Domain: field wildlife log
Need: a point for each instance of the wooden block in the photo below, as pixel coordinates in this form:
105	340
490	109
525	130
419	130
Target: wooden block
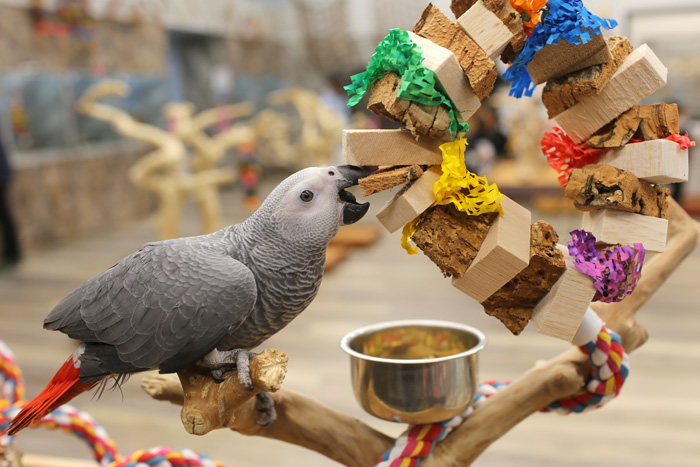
389	177
508	16
561	311
602	186
450	75
645	122
657	161
475	63
565	91
562	58
389	147
503	254
420	119
450	238
513	303
626	228
640	74
410	202
486	29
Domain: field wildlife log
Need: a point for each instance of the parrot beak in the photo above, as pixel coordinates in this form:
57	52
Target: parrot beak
350	175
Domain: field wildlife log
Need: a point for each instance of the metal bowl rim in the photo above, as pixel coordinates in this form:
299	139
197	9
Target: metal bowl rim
433	323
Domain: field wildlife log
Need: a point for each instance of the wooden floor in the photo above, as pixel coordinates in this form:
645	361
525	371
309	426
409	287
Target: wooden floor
655	422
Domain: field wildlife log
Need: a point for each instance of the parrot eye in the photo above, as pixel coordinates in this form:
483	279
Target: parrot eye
306	196
331	173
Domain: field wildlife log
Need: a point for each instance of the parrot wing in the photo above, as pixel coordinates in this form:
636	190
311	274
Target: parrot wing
165	306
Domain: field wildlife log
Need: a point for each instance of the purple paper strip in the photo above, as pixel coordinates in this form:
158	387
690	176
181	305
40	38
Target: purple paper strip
614	270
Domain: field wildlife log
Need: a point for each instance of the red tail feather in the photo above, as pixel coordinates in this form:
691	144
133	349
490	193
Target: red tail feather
64	386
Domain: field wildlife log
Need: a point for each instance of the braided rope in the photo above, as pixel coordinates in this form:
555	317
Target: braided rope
420	440
611	367
70	420
11	381
81	424
165	457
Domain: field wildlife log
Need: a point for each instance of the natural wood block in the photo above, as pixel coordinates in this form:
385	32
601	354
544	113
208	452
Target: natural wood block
626	228
486	29
389	147
452	238
640	74
560	312
503	254
645	122
508	16
602	186
389	177
450	75
475	63
657	161
563	92
554	60
513	303
419	119
410	202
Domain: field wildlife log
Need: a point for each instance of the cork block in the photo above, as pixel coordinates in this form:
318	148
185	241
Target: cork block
560	312
641	74
450	238
563	92
657	161
513	303
503	254
645	122
486	29
450	75
410	202
420	119
562	58
389	147
626	228
596	186
388	177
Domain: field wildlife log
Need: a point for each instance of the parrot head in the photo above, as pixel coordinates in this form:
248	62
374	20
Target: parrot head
313	203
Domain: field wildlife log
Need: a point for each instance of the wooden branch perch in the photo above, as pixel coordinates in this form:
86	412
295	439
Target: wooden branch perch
308	423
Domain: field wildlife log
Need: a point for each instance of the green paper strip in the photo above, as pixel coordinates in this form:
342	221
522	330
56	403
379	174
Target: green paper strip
397	53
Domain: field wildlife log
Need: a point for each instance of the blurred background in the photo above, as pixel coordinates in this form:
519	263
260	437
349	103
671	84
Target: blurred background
242	93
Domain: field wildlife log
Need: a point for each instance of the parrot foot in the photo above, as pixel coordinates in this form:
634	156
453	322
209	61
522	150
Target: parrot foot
266	406
221	362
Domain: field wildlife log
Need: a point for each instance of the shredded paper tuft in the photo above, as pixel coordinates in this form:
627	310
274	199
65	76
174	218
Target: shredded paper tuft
615	270
563	154
561	19
398	54
467	191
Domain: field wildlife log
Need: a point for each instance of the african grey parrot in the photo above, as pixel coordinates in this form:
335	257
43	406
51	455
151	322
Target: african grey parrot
205	300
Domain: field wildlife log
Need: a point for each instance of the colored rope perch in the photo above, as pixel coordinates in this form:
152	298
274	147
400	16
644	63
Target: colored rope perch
615	270
81	424
420	440
11	380
611	368
397	53
562	19
467	191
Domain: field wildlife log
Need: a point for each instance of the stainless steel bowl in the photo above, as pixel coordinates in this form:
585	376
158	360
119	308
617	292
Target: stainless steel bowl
414	371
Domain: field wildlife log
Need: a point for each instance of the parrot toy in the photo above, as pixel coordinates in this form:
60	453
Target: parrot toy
205	300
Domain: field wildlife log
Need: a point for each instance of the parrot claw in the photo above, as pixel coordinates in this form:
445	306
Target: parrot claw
266	406
221	362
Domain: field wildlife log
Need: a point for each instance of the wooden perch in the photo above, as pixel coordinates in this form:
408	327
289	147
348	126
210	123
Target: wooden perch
305	422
